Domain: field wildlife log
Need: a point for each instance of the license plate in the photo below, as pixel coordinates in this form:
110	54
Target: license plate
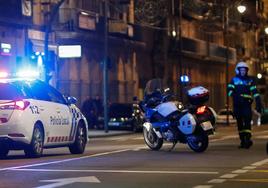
206	125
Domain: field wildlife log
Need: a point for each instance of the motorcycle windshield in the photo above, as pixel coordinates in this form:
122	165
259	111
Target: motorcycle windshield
154	85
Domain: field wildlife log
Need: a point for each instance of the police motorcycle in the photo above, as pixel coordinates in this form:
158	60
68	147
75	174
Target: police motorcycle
168	120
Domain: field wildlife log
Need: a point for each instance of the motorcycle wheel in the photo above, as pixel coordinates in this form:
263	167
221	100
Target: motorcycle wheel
198	143
151	139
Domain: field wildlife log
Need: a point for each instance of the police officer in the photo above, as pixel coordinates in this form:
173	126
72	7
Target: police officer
243	90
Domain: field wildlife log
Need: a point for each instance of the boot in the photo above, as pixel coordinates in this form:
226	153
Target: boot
242	140
248	141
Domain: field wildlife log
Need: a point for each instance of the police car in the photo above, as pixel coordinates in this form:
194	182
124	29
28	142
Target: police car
34	116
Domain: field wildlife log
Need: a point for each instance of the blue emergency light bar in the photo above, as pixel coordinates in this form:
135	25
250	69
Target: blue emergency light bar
22	74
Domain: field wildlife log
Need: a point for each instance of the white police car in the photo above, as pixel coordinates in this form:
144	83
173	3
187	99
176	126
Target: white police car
34	115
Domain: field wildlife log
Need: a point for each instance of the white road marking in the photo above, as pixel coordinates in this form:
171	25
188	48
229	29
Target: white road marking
235	173
138	138
228	176
65	160
66	181
249	167
203	186
140	148
217	181
260	163
117	171
239	171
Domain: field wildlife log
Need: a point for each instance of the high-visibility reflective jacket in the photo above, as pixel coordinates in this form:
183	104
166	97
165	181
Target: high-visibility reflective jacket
243	90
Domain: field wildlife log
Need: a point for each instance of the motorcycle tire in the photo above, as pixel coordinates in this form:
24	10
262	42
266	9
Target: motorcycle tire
151	139
198	143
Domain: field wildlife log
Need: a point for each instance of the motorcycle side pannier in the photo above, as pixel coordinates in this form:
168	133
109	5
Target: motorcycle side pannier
198	95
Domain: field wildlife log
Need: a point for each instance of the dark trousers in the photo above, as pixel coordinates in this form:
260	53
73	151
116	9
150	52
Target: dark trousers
244	127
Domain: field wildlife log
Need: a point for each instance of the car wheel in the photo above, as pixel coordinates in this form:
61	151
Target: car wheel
79	145
3	151
35	149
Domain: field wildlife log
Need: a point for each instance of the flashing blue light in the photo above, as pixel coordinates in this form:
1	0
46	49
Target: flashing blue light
185	79
32	57
39	61
37	53
28	73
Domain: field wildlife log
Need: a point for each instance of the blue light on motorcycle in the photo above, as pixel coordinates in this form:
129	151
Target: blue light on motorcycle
184	79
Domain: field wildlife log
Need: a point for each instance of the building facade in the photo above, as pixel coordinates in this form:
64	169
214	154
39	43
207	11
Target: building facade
137	51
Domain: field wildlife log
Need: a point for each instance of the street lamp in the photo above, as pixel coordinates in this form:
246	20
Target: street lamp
259	76
266	30
174	33
241	8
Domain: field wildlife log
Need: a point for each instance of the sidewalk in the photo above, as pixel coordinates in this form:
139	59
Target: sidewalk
92	133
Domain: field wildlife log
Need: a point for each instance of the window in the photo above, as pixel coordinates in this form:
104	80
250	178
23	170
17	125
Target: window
56	96
45	92
10	91
39	91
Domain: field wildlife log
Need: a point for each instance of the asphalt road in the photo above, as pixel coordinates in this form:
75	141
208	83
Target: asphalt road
125	161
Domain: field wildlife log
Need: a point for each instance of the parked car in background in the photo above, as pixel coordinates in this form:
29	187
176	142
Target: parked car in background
125	116
222	117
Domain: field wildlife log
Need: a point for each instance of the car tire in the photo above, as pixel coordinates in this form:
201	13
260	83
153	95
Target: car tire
3	151
79	145
35	149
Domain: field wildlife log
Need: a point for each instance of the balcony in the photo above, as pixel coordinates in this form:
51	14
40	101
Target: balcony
77	23
206	51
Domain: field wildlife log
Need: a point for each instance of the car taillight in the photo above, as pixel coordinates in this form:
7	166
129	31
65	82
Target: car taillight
18	105
201	110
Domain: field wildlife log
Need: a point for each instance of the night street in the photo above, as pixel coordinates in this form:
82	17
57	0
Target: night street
125	161
115	87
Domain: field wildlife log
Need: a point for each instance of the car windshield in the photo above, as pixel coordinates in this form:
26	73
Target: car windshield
10	91
120	110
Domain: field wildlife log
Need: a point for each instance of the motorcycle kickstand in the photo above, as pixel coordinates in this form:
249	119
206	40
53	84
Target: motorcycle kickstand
174	144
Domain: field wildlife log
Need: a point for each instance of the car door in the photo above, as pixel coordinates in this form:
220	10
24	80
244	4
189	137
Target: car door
61	121
53	113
